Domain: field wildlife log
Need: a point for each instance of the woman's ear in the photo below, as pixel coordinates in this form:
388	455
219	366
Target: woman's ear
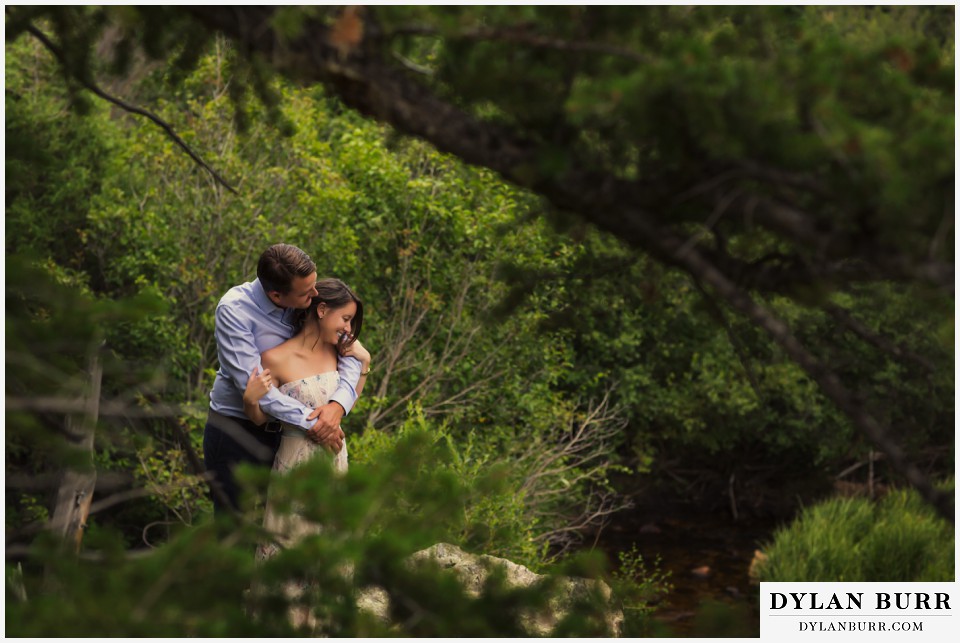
321	310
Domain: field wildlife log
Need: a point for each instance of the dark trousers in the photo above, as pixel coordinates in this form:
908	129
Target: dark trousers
227	442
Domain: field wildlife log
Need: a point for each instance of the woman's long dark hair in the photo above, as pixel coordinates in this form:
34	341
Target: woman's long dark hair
335	294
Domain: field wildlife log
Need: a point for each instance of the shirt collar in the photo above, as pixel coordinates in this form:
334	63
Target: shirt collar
263	302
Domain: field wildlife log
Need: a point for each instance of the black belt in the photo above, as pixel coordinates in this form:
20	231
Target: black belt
273	426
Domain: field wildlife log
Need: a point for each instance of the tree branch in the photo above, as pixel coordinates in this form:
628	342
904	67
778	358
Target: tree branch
365	80
860	330
827	381
520	35
91	86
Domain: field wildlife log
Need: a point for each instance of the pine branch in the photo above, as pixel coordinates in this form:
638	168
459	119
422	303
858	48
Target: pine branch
519	35
367	79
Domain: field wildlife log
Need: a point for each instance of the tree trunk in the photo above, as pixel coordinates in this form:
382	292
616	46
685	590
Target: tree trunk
77	484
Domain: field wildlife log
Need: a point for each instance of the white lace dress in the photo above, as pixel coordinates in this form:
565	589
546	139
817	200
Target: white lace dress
296	448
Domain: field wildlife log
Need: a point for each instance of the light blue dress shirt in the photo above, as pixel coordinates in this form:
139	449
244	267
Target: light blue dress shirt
247	324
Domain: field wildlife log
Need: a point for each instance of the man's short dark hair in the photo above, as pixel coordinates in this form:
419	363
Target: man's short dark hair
280	264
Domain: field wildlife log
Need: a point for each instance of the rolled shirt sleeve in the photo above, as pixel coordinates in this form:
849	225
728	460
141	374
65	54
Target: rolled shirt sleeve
239	356
346	394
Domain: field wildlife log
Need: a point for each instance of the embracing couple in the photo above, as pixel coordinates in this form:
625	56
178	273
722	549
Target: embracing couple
290	368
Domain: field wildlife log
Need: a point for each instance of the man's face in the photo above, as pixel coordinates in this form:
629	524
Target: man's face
302	291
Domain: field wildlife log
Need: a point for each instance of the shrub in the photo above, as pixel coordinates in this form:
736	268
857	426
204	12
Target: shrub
640	585
494	519
896	539
533	497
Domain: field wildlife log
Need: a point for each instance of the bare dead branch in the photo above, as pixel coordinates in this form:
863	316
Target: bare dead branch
108	480
144	492
409	343
151	525
566	458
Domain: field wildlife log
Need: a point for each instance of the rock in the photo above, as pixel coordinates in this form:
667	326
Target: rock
759	558
701	572
374	600
473	571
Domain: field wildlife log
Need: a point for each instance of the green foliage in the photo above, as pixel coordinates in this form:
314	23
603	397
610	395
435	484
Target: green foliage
639	586
501	329
495	517
695	380
166	476
896	539
864	91
204	582
53	326
54	160
716	619
433	234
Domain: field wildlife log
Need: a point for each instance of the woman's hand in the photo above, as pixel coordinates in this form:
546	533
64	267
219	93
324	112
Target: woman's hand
257	386
357	350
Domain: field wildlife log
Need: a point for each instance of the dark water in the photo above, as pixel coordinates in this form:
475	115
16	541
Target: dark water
708	557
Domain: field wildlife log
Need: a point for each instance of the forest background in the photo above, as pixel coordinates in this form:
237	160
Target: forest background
548	363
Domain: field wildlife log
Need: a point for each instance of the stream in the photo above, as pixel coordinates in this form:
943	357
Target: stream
708	557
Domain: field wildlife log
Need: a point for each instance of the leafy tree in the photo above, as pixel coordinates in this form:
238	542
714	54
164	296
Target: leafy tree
792	164
423	247
405	496
54	160
707	392
763	152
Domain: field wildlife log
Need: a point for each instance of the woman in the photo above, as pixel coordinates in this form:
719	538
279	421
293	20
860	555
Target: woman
305	368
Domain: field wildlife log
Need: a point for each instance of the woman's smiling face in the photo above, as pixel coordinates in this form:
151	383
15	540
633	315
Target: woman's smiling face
335	322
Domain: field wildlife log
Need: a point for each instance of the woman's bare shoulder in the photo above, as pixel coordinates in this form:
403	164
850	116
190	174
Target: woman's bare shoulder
276	355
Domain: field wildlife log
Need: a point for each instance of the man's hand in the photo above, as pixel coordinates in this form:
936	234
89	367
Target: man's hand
326	430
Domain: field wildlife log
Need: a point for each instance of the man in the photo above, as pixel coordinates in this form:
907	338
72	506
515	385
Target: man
250	319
